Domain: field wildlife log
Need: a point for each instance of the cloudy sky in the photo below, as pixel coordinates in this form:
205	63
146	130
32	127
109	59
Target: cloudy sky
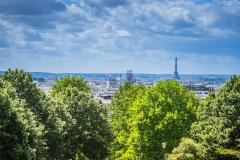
116	35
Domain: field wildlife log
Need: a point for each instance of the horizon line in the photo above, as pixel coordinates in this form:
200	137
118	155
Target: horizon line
222	74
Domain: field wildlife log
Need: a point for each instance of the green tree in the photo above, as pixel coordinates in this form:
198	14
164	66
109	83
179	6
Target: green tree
159	116
188	149
26	89
69	82
218	125
83	123
37	101
21	135
162	116
119	116
67	125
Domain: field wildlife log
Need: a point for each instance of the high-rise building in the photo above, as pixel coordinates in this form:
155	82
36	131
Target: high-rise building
129	76
176	75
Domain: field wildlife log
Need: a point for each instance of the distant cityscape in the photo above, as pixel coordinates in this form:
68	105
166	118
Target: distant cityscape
104	85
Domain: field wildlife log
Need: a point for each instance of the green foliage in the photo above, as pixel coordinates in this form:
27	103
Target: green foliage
146	123
26	89
157	116
188	149
67	125
120	115
229	153
69	82
121	102
218	125
36	101
83	125
21	135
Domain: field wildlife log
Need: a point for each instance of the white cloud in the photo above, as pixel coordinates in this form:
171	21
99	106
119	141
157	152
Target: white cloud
122	33
136	31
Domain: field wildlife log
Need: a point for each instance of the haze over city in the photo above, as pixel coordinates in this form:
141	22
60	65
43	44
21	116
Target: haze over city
101	36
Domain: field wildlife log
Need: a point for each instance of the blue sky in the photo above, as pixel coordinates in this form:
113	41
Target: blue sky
116	35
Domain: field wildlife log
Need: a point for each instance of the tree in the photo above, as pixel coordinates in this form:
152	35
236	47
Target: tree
119	116
69	82
36	101
84	127
67	125
159	117
218	124
26	89
188	149
21	135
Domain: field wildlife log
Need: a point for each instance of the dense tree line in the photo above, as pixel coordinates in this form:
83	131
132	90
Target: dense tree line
66	124
164	121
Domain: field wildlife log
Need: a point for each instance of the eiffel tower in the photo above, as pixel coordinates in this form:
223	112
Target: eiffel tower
176	76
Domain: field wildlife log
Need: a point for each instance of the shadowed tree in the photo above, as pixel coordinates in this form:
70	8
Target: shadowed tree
21	135
26	89
83	122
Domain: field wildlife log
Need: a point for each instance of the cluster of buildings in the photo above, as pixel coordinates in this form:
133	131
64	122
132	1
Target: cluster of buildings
104	89
44	83
200	89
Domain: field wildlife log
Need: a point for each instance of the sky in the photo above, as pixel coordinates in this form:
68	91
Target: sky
112	36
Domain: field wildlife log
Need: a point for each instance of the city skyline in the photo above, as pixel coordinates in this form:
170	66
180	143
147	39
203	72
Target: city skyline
74	36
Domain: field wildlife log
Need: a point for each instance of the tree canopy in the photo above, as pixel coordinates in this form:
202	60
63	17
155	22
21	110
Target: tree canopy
85	130
119	116
218	124
85	127
68	124
188	149
26	89
21	135
69	82
157	119
163	121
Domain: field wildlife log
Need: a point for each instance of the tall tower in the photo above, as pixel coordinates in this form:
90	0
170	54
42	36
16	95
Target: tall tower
176	76
129	76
